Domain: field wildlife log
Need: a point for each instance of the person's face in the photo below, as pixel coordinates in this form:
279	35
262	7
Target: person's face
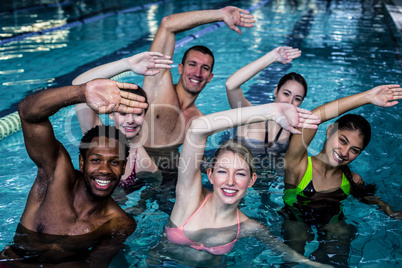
196	72
231	177
129	124
291	92
103	167
343	146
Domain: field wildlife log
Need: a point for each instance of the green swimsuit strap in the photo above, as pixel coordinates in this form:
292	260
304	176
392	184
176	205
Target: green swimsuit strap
290	195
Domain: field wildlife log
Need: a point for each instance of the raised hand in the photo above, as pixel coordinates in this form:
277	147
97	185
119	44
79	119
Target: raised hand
385	95
234	17
291	117
149	63
105	96
286	54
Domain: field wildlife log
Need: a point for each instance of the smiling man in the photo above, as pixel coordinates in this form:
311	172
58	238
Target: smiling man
65	202
172	106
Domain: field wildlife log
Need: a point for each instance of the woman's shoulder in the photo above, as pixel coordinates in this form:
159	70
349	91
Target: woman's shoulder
357	179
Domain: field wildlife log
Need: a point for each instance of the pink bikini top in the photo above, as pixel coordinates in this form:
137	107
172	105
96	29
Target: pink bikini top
130	179
177	236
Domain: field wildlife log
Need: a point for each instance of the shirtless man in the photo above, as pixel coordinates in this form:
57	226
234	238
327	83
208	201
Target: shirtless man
172	106
64	202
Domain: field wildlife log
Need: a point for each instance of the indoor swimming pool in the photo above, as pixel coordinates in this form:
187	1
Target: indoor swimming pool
347	47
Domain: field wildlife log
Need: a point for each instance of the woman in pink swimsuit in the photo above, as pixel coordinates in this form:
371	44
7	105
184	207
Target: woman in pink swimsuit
206	224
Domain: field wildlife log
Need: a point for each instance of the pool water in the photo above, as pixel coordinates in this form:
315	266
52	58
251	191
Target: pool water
347	47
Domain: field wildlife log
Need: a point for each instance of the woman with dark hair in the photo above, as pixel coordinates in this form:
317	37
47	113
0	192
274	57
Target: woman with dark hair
316	185
292	88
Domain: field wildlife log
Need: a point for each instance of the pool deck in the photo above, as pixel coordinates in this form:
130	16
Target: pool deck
394	8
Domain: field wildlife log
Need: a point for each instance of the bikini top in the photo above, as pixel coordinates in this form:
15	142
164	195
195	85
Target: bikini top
177	236
276	137
130	180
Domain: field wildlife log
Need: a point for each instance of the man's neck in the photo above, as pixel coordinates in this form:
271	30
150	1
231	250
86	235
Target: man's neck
186	99
84	205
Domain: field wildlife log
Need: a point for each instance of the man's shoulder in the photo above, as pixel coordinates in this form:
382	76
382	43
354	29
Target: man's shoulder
121	224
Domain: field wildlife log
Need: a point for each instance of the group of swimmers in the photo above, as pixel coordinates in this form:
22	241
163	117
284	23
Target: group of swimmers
68	207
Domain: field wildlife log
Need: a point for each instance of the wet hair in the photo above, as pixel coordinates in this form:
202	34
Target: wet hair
354	122
238	148
140	92
293	77
203	50
110	132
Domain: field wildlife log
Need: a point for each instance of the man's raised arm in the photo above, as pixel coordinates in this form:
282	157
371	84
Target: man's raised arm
102	95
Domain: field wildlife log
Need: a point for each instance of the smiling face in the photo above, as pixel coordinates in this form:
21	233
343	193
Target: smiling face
196	72
102	168
231	177
129	124
342	146
290	92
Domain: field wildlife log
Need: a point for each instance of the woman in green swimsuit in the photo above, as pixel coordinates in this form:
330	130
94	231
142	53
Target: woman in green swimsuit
315	186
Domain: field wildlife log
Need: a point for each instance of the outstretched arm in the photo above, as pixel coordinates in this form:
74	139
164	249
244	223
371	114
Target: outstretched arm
382	206
235	95
383	96
189	177
145	63
104	96
164	41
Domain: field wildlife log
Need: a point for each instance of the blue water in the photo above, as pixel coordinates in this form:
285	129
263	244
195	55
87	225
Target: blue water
347	47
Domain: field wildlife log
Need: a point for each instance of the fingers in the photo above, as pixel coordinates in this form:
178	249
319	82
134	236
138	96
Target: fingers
133	103
158	54
307	119
127	110
236	29
126	86
302	111
243	11
246	20
391	103
294	130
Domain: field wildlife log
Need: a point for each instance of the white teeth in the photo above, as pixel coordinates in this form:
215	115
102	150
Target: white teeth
102	182
229	191
194	81
338	157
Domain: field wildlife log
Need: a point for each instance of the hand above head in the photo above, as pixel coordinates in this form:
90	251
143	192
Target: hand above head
286	54
104	96
149	63
385	95
291	117
234	17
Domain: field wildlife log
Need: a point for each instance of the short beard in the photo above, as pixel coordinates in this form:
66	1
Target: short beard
91	194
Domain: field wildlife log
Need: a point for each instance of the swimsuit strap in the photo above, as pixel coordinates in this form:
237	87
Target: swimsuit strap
133	175
266	135
277	135
266	132
238	224
200	207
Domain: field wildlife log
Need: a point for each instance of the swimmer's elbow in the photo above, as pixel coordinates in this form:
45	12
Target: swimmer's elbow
357	179
167	24
199	128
